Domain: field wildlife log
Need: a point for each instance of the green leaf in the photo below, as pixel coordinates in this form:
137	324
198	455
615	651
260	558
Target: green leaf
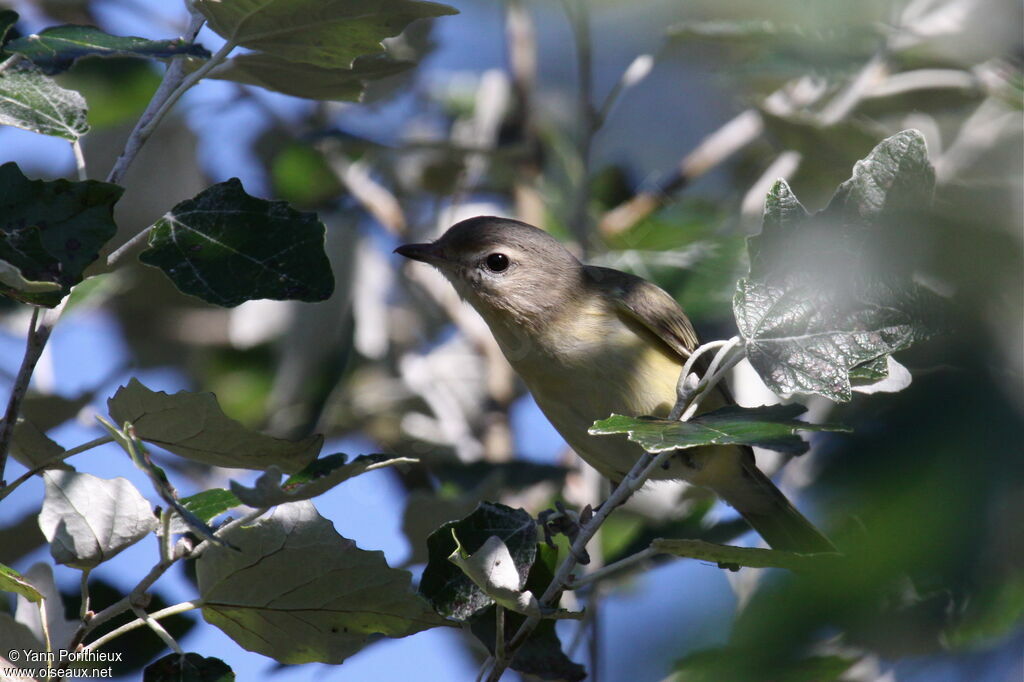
306	80
828	293
31	100
227	247
12	581
894	179
714	665
327	33
319	477
50	231
445	586
298	592
770	427
56	48
192	425
88	520
11	278
32	447
210	504
751	557
541	655
188	668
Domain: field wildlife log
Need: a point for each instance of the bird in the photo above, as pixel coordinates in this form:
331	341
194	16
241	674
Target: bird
591	341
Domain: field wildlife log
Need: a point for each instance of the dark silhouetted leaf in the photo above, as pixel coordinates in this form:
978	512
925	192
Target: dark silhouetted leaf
192	425
55	49
227	247
445	586
188	668
316	479
770	427
50	231
299	592
306	80
327	33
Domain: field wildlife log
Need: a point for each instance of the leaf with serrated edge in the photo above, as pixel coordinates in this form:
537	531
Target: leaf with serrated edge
188	668
227	247
771	426
306	80
51	231
88	520
269	491
56	48
31	100
299	592
327	33
12	581
192	425
448	589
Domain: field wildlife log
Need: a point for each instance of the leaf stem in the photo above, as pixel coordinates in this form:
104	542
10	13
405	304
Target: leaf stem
83	611
174	78
139	622
4	492
38	333
76	148
158	629
611	569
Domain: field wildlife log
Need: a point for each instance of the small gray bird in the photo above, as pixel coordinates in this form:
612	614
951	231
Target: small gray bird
591	341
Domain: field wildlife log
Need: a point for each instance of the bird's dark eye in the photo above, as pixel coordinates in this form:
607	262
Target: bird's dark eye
497	262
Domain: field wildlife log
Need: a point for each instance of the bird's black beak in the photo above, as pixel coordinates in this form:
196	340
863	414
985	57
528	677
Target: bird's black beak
426	253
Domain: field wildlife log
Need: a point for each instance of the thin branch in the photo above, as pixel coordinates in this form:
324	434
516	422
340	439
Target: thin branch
712	151
613	569
750	557
139	622
158	629
38	333
122	250
76	148
174	78
4	492
11	61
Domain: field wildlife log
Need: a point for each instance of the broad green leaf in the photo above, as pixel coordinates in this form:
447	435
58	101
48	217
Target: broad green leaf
188	668
50	231
32	447
826	294
715	665
327	33
298	592
306	80
894	179
12	581
192	425
445	586
88	520
55	49
541	655
210	504
316	479
31	100
770	427
227	247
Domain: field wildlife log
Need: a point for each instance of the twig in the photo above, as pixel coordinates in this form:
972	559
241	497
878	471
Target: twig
612	569
76	148
4	492
83	610
713	150
120	251
11	61
139	622
160	631
38	333
174	77
750	557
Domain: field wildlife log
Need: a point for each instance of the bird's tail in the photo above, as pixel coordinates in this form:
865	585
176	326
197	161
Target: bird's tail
765	508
